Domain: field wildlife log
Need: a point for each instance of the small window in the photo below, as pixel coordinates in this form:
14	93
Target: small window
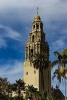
26	73
34	71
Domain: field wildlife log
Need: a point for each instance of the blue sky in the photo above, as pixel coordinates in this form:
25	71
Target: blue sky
16	17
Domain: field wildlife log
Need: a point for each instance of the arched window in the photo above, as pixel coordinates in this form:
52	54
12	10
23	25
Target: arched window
33	38
31	52
33	26
37	26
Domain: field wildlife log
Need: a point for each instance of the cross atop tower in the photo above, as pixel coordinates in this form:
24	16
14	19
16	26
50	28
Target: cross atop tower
37	10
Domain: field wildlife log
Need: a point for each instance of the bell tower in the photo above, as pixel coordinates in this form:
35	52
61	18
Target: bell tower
36	44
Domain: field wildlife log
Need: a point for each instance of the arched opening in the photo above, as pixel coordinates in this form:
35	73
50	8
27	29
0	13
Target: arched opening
37	26
33	38
33	26
31	52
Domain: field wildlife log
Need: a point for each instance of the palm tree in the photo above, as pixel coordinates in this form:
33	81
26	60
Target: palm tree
62	69
61	61
32	93
12	88
61	58
58	75
20	86
41	62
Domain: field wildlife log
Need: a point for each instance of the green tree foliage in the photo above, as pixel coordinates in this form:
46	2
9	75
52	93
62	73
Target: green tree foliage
32	93
4	97
40	61
7	88
3	85
20	86
17	98
61	62
61	58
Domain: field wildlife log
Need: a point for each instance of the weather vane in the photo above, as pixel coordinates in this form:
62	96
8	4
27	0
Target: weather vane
37	10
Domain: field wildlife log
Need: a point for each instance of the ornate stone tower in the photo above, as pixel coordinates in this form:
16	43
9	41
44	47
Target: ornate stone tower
37	44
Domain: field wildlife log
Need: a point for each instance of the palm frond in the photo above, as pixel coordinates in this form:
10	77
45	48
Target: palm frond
64	52
53	77
57	54
54	63
40	61
55	73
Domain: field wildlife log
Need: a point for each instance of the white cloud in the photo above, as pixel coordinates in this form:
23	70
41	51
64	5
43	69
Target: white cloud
12	70
8	33
16	3
59	44
3	43
54	9
63	34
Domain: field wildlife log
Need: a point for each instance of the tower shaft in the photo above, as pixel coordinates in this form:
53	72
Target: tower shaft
37	44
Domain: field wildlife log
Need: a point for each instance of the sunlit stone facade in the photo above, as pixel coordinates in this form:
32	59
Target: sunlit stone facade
37	44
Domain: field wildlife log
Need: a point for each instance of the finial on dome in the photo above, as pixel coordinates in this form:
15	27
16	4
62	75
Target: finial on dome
37	10
37	17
